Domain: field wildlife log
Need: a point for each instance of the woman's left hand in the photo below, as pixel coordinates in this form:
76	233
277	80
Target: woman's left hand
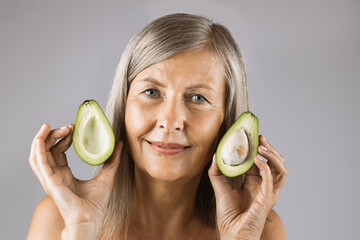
241	213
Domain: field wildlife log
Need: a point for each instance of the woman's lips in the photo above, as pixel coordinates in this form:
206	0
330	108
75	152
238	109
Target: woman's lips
167	148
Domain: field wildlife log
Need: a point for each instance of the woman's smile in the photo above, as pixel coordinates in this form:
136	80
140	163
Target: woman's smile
167	148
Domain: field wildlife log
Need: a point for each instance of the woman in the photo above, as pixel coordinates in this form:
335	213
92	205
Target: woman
179	85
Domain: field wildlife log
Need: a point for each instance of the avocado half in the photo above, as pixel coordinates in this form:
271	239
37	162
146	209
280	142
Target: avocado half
93	137
238	147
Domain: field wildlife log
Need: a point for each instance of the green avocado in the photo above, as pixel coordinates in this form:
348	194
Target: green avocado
238	147
93	137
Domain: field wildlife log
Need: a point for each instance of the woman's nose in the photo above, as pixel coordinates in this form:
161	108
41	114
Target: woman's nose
171	117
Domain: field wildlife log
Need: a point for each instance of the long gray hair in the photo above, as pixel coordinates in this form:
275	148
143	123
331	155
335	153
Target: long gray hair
162	38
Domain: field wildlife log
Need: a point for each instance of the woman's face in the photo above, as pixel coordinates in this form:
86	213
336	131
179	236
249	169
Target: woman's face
173	114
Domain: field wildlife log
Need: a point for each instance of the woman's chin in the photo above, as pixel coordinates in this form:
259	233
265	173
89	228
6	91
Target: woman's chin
165	171
166	174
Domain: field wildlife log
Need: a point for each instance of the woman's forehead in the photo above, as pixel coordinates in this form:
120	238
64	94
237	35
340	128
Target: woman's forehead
193	67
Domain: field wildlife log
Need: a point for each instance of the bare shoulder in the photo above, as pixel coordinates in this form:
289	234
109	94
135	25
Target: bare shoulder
274	228
47	222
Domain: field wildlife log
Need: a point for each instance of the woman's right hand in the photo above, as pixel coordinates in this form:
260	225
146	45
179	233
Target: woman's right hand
82	204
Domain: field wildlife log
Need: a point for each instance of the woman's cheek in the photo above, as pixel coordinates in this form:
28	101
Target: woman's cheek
138	118
205	127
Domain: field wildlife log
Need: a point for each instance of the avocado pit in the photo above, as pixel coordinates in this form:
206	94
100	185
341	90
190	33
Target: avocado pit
236	148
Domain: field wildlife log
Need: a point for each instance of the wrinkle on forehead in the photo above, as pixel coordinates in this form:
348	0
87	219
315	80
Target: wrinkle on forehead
179	64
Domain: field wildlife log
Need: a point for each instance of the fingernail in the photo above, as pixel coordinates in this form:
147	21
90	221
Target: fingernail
63	127
264	139
42	126
263	147
261	158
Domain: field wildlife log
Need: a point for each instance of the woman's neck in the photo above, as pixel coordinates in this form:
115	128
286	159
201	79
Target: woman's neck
164	208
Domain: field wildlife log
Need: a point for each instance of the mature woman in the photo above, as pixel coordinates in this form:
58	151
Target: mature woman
179	86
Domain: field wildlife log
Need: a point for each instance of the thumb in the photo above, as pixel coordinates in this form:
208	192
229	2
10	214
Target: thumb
108	171
217	179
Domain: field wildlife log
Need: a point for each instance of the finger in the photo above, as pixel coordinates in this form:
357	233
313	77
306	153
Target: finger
267	180
41	159
61	147
54	135
42	133
218	180
39	156
279	183
61	194
263	201
265	143
32	160
279	169
108	171
273	160
34	167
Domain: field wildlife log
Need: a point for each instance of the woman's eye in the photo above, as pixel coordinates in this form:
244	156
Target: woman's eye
151	92
198	98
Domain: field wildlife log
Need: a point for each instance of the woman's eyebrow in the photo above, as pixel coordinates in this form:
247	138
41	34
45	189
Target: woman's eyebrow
192	86
152	80
201	85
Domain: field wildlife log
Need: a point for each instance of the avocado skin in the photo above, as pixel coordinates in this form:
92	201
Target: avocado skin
76	135
250	123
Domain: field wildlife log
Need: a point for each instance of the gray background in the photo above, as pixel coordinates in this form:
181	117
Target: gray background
302	60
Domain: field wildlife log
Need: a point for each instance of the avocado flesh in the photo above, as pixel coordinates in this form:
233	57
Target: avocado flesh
249	124
93	137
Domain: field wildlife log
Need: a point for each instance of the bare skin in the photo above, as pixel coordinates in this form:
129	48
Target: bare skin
181	93
179	100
